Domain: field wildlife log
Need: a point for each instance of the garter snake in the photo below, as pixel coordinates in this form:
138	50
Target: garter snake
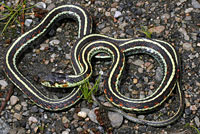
66	11
81	53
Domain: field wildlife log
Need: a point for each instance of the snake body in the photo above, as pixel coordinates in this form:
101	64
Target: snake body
87	46
66	11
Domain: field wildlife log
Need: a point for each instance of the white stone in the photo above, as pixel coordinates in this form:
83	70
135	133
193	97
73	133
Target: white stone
32	120
3	83
117	14
13	100
82	114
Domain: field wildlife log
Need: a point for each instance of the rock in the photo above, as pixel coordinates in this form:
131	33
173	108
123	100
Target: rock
115	118
183	31
138	85
44	46
17	116
82	114
198	44
141	117
28	22
187	111
102	25
188	10
123	25
138	12
165	16
86	110
32	120
130	31
193	108
79	129
105	30
195	4
24	104
4	128
196	119
138	62
188	18
68	56
18	107
187	46
21	131
140	70
54	42
13	100
159	74
48	1
45	116
65	120
135	81
34	109
92	115
107	14
180	2
3	83
41	5
158	29
117	14
67	131
142	96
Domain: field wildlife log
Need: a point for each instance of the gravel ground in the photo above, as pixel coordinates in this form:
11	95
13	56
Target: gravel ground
174	21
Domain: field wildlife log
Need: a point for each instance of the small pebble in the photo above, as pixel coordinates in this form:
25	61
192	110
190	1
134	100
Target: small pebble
54	42
135	81
67	131
140	70
188	10
17	116
13	100
68	56
24	104
65	120
117	14
159	74
82	114
184	32
138	62
187	46
34	109
195	4
193	108
158	29
18	107
105	30
92	115
28	22
141	117
3	83
44	46
115	118
32	120
41	5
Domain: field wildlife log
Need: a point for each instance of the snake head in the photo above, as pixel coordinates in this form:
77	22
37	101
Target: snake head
53	79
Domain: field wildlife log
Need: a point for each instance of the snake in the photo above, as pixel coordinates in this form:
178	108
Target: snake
84	20
87	46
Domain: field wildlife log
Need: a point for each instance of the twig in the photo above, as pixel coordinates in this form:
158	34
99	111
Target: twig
22	16
8	95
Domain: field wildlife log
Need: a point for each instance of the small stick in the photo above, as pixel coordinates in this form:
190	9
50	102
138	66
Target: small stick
8	95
